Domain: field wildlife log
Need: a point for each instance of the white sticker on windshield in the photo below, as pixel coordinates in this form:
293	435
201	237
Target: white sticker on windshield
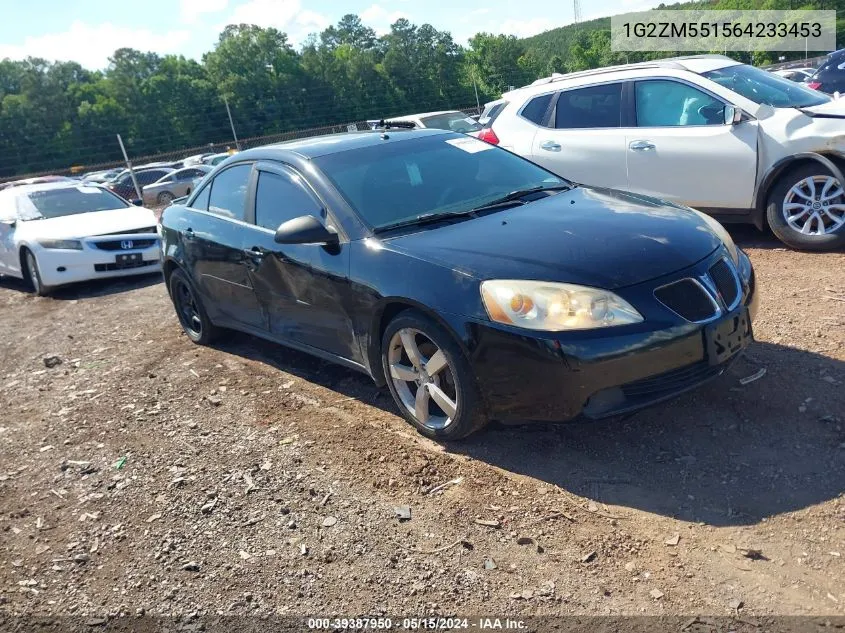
470	120
414	174
469	144
85	189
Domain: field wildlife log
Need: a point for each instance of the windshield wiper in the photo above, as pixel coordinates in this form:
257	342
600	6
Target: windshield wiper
517	195
426	218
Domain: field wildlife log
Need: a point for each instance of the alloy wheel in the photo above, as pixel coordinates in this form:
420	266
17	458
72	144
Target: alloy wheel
815	206
423	378
165	198
186	308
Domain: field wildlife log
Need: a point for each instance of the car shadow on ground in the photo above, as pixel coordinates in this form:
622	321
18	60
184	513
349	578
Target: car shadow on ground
89	289
749	236
723	454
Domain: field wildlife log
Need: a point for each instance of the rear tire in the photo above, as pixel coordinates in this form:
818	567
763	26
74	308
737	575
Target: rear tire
801	201
433	385
189	309
32	274
165	197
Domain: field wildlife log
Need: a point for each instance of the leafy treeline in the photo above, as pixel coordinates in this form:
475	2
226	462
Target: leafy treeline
54	115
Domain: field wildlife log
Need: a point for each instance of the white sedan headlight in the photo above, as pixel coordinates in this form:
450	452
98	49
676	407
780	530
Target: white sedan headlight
722	234
541	305
69	245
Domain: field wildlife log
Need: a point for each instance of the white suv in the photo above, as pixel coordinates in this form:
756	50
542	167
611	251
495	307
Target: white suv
729	139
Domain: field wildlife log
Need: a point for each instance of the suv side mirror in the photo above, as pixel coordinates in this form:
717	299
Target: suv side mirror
733	115
306	229
138	203
11	223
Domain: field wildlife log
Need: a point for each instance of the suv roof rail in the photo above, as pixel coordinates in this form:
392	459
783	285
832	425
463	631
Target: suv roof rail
669	62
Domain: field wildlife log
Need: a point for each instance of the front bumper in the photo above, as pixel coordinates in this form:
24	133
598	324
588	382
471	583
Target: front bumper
63	266
599	373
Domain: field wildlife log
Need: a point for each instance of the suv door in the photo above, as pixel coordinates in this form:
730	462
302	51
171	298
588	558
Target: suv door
580	135
213	237
683	151
299	285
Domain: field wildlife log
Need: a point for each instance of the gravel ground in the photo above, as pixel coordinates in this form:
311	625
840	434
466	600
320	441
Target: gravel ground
144	474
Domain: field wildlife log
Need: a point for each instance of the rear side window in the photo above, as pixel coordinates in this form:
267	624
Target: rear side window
592	107
228	192
491	111
280	198
535	110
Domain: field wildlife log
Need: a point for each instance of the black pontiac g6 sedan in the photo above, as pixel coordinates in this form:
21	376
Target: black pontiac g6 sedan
476	284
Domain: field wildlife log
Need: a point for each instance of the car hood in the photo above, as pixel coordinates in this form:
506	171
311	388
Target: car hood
88	224
595	237
834	107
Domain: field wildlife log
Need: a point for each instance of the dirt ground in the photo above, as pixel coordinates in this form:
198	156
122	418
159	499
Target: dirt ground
145	474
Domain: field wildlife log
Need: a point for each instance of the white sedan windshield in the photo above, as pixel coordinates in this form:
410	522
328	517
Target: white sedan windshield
54	203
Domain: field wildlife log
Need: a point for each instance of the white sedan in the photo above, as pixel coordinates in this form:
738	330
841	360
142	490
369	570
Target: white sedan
60	233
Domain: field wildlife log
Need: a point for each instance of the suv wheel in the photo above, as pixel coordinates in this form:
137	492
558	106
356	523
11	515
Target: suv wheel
806	209
430	379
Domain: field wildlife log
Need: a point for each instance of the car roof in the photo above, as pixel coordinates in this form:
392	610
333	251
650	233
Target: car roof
315	146
693	63
48	186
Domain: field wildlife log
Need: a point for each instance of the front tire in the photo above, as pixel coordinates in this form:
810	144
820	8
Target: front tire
806	209
33	274
430	379
189	309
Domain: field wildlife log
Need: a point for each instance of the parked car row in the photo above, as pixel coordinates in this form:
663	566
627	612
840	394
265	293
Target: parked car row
478	283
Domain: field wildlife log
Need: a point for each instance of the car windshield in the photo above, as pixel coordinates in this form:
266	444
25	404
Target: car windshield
54	203
420	176
763	87
452	121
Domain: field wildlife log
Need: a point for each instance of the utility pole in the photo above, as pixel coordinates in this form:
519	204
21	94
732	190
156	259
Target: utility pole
475	86
129	167
232	123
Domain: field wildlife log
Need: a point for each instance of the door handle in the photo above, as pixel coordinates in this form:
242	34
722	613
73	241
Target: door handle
641	146
550	146
256	252
189	233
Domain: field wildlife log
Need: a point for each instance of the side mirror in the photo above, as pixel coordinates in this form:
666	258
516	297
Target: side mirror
306	229
138	203
733	115
10	223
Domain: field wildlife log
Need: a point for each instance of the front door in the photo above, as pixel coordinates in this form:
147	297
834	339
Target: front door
683	151
583	139
301	286
213	237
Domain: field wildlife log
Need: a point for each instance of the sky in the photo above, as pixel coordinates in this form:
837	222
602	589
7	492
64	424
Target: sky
88	31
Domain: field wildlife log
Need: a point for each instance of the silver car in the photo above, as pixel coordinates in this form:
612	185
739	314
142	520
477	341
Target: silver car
174	185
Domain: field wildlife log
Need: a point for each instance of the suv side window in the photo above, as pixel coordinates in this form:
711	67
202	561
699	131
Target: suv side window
590	107
535	110
666	103
201	201
228	192
279	198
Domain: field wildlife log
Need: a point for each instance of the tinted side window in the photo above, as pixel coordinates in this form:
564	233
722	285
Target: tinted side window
201	201
148	177
282	198
662	103
228	192
596	106
536	108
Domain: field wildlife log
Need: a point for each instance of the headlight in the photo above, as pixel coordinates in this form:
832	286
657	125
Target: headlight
70	245
541	305
723	235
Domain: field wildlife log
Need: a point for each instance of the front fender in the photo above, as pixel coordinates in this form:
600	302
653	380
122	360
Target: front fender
761	193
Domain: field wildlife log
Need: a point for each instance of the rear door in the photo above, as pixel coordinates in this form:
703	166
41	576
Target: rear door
580	135
300	285
213	240
683	151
